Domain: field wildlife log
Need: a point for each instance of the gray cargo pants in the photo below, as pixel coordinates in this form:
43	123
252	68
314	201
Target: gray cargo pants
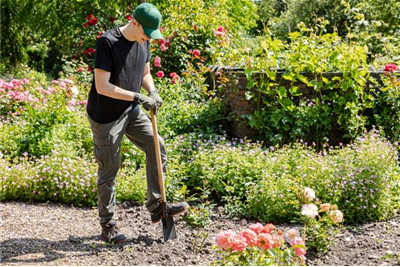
136	125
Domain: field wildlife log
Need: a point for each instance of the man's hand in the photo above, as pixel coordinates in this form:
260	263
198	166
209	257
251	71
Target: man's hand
147	102
154	95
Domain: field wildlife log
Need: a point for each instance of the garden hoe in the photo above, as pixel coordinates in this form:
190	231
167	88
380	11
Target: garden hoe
167	222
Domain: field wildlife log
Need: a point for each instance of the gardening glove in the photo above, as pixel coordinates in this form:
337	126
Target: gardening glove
155	95
147	102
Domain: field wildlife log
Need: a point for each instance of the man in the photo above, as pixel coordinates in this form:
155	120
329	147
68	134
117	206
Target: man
121	68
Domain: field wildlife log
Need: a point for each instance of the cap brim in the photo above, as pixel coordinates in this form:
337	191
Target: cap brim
152	33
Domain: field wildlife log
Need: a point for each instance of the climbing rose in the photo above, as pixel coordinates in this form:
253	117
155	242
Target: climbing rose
163	47
176	79
220	29
157	62
160	74
390	67
196	53
172	74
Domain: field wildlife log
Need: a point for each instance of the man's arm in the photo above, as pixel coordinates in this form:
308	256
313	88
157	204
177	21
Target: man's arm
148	83
104	87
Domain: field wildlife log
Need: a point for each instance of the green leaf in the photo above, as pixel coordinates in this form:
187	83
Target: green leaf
295	91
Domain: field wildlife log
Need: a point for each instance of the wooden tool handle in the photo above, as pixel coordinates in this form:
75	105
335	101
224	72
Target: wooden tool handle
158	156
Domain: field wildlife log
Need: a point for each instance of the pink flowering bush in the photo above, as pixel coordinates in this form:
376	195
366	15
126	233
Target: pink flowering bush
260	245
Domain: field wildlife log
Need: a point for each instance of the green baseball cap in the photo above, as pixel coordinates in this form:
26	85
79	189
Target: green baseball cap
150	19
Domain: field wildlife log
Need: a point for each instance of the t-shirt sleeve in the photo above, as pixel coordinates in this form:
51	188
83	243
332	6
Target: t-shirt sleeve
148	52
102	58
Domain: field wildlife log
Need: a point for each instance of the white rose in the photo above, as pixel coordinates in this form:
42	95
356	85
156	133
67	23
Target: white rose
309	194
336	216
291	234
309	210
74	90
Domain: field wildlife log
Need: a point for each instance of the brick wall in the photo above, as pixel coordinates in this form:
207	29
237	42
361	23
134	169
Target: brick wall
238	106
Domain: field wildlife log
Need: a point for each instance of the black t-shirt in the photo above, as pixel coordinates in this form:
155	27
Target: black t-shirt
125	60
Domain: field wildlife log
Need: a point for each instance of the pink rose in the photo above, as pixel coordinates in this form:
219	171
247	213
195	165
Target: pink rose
277	241
291	234
250	236
176	79
163	47
237	241
268	228
390	67
172	74
265	241
256	227
160	74
219	34
220	29
196	53
223	239
300	251
157	62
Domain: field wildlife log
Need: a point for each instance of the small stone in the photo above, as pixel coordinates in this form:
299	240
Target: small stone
394	223
389	252
373	257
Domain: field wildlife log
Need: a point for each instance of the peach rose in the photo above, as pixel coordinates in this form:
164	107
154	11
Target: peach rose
223	239
250	236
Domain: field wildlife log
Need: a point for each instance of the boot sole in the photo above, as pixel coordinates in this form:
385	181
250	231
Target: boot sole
116	243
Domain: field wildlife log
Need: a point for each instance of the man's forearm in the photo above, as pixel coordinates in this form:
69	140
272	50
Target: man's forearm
115	92
148	82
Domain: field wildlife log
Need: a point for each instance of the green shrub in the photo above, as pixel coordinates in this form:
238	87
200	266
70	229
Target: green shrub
131	185
364	179
215	169
64	177
57	177
359	178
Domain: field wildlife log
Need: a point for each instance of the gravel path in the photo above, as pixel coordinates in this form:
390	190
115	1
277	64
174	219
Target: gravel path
54	234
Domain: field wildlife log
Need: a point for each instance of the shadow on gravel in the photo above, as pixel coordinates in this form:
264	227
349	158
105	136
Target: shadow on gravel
32	250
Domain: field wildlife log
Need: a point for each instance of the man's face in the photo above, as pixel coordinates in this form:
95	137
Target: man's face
138	32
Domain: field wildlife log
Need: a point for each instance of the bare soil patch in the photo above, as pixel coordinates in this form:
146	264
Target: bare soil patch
55	234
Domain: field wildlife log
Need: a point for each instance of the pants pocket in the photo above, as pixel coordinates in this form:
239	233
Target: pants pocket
103	151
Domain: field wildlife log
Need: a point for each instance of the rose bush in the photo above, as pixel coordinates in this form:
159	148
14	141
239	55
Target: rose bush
260	245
